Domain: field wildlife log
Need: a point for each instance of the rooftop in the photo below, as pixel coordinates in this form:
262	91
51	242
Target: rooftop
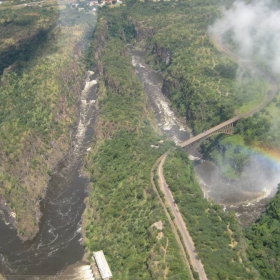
102	265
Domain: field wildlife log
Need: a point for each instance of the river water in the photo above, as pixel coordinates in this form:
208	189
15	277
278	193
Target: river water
248	195
58	243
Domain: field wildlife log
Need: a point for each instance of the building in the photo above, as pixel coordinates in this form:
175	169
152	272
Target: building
102	265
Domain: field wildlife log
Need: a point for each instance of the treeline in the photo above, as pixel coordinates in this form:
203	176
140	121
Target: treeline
264	241
122	209
200	81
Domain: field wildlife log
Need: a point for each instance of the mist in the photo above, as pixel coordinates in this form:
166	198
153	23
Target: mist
254	31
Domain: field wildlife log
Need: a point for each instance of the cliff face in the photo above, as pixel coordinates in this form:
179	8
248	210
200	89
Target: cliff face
99	43
163	57
24	182
25	172
119	164
144	34
163	54
142	31
38	112
186	59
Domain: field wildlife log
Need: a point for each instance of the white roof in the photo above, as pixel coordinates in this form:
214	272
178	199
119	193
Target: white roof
102	264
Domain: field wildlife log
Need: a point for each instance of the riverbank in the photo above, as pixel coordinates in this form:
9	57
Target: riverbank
39	118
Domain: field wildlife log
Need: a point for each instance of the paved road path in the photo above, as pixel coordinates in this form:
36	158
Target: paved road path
188	242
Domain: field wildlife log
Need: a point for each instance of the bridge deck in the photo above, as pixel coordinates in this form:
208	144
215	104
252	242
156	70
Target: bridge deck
208	132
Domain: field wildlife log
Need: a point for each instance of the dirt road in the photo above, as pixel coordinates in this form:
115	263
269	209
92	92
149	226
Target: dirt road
188	242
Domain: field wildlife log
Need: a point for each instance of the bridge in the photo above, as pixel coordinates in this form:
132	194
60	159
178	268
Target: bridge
223	128
227	126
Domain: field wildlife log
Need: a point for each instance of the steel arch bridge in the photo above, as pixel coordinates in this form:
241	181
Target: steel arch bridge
223	128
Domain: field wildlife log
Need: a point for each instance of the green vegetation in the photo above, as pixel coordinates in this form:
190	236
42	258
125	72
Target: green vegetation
201	85
200	82
264	241
123	208
251	92
198	79
217	236
38	93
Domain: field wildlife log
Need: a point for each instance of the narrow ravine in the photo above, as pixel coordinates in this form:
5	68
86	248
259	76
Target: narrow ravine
58	243
247	196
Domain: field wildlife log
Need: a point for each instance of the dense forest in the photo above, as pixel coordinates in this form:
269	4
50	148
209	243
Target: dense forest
41	52
200	82
123	211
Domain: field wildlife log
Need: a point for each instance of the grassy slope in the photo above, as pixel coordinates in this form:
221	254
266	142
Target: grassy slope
123	207
37	110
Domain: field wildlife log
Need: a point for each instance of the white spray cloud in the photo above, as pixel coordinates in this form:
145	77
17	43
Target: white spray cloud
254	28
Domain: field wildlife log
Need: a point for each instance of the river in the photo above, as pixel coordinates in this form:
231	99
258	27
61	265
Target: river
246	196
58	243
57	246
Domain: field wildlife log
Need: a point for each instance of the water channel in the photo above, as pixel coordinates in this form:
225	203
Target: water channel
247	196
58	243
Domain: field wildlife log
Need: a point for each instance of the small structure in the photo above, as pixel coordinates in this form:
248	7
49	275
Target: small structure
103	266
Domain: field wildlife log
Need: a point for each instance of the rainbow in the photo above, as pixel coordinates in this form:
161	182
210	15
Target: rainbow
270	153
